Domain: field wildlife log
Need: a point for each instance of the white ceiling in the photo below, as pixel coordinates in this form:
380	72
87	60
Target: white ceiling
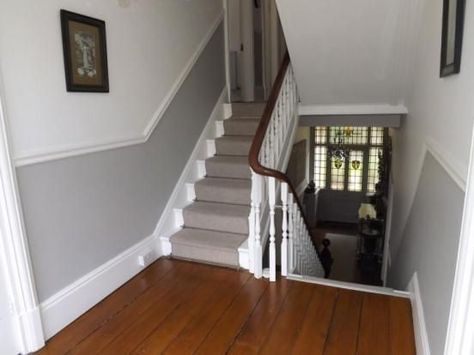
347	52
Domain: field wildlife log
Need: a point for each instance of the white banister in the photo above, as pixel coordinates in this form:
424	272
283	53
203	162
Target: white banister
268	158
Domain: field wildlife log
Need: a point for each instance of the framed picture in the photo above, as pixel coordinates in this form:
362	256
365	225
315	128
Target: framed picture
451	43
85	53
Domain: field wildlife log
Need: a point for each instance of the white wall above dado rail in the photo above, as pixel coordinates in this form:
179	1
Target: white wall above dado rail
151	45
348	53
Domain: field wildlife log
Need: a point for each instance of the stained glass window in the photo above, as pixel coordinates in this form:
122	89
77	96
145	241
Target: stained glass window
358	171
320	164
373	169
348	135
356	168
338	169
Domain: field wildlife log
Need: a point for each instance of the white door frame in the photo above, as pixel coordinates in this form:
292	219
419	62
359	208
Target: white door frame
246	56
459	338
225	5
24	302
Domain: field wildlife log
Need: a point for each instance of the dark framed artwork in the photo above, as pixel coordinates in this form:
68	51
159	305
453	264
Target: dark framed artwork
452	33
85	53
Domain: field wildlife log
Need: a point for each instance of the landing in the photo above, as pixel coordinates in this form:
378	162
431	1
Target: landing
179	307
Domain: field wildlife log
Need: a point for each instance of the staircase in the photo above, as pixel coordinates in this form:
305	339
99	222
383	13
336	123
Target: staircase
216	223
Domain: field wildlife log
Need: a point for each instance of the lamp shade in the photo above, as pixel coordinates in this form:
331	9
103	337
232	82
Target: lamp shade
367	209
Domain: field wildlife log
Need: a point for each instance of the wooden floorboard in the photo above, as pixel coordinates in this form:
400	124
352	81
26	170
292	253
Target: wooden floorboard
374	325
258	326
221	337
176	321
96	317
401	327
315	328
344	328
290	318
179	307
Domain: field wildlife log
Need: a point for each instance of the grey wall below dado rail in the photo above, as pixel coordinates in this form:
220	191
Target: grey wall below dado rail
80	212
429	247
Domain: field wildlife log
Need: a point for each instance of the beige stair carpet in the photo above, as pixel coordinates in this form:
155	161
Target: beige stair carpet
216	223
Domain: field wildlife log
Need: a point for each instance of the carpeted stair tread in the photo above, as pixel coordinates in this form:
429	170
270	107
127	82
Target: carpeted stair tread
234	191
208	246
217	216
241	127
227	166
248	109
233	145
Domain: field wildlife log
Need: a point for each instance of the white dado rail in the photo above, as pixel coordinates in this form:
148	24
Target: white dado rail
268	157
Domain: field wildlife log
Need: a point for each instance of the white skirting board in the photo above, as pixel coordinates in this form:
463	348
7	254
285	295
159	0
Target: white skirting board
419	325
72	301
349	285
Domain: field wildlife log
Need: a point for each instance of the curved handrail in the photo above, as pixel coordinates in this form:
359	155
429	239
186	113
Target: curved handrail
257	143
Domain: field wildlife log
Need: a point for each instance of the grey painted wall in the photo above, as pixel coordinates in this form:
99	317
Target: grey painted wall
339	206
80	212
429	246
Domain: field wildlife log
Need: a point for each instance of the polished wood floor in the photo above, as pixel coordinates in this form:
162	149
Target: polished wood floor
177	307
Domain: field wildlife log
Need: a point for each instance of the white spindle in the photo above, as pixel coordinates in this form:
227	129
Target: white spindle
256	200
272	202
252	221
284	228
291	234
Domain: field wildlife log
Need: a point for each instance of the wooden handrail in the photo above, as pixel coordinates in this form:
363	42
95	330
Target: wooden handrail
257	143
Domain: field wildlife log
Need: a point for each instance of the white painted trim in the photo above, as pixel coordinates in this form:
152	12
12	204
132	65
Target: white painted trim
227	111
193	170
244	256
309	110
421	336
386	260
181	78
459	338
68	304
349	285
450	164
225	6
14	251
34	157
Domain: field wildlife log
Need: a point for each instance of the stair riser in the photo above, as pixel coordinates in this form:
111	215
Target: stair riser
248	110
230	224
216	194
205	255
232	148
240	127
224	170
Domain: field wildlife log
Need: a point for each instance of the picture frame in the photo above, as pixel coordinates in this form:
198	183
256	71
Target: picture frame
452	34
85	53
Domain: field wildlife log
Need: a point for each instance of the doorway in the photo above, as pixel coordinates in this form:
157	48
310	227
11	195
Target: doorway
256	48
